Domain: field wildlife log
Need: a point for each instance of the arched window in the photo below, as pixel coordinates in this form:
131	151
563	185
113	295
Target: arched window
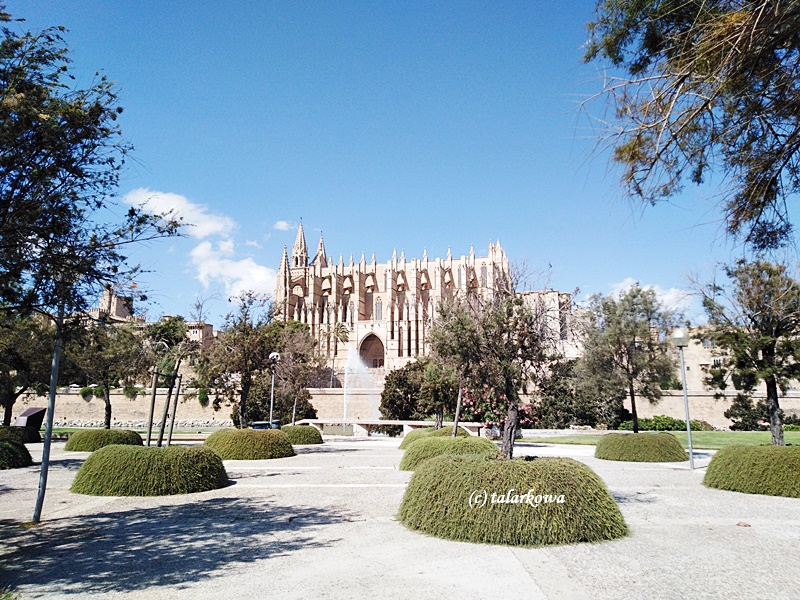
378	310
484	278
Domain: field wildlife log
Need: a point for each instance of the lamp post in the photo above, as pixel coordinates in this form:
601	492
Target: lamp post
680	338
274	357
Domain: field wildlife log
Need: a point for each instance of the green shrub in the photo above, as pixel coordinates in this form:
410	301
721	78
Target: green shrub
7	594
451	497
23	435
428	447
144	471
302	434
640	447
768	470
250	444
130	392
791	427
448	432
87	393
418	434
14	455
90	440
665	423
414	435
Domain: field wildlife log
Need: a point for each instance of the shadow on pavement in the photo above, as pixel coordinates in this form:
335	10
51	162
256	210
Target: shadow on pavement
167	545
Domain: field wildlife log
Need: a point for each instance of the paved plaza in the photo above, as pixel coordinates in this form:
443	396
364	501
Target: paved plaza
322	525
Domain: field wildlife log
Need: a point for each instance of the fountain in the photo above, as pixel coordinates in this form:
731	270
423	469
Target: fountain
357	376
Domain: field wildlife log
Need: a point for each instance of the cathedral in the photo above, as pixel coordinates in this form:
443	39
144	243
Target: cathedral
381	311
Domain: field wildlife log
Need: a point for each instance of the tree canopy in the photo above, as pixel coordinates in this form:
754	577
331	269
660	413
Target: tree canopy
109	356
625	347
754	319
25	345
60	165
709	86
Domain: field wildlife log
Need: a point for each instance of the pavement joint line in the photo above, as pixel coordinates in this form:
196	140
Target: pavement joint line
322	485
235	467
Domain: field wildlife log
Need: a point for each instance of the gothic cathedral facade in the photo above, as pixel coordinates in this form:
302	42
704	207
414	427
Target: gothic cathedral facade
380	312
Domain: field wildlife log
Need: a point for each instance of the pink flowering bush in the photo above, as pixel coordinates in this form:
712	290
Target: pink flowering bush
488	404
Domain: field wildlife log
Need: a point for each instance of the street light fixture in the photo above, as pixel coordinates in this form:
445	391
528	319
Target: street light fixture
274	357
680	338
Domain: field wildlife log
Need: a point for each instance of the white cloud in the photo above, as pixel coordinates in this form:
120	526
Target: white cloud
203	223
214	264
676	299
283	225
253	244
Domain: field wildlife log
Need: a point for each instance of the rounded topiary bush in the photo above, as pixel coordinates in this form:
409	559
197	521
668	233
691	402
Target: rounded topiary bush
302	434
23	435
768	470
418	434
640	447
250	444
448	432
413	436
14	455
144	471
90	440
428	447
526	503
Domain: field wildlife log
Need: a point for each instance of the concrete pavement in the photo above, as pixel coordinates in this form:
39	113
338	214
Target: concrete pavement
321	525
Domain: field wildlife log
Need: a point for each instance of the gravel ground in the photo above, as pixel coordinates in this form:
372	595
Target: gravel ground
321	525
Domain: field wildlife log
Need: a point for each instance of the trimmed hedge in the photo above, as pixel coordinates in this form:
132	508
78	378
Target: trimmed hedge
417	434
541	502
640	447
767	470
413	436
665	423
302	434
121	470
250	444
90	440
14	455
428	447
23	435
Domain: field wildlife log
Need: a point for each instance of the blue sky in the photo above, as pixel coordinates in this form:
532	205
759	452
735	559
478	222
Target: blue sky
385	125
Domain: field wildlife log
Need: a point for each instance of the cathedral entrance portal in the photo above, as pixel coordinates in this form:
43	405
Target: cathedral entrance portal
371	351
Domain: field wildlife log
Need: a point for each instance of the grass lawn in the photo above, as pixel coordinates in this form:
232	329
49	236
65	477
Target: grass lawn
710	440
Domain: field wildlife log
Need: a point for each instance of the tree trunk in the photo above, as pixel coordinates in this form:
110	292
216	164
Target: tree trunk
633	407
458	409
510	431
439	419
775	420
107	400
294	410
243	406
8	405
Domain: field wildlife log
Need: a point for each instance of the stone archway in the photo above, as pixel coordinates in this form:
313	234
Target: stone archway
372	351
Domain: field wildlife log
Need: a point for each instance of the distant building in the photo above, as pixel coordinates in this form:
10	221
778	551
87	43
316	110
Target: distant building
115	309
385	309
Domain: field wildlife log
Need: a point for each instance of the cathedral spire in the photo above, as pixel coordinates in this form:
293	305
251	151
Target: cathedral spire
284	266
300	250
321	258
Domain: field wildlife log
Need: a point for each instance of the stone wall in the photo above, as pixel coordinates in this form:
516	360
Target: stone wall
362	403
72	410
